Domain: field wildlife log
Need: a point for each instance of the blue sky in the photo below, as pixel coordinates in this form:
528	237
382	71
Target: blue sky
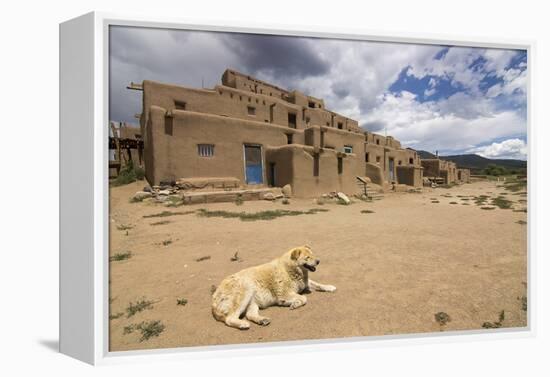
449	99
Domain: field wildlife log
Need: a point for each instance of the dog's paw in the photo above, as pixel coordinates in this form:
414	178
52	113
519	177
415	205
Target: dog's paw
244	326
296	304
264	322
329	288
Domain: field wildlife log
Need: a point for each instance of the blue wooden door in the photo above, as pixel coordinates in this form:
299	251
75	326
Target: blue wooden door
253	164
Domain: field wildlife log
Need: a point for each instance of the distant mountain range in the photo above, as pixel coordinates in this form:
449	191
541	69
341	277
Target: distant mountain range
475	162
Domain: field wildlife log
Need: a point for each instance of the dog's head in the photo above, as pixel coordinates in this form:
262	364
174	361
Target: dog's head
303	257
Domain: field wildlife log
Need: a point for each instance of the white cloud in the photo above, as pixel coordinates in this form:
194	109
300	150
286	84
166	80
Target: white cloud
511	148
355	82
428	126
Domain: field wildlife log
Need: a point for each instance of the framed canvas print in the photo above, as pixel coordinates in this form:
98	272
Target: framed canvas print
227	189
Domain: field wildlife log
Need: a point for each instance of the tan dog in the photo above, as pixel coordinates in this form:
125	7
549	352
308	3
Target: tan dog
278	282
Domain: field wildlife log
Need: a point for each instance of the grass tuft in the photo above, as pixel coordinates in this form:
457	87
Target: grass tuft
181	301
163	222
148	329
138	306
367	211
263	215
167	214
120	256
501	202
128	174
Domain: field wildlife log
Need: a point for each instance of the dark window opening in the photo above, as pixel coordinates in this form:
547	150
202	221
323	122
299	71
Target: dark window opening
169	125
308	120
411	161
316	165
292	120
180	105
328	124
289	138
340	165
348	149
377	141
311	104
231	95
399	162
251	110
206	150
366	157
340	125
377	158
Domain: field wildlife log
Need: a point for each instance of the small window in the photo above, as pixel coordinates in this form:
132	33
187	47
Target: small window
340	165
411	161
292	120
308	120
311	104
231	95
251	110
328	124
180	105
377	158
348	149
206	150
366	157
377	141
340	125
399	162
289	138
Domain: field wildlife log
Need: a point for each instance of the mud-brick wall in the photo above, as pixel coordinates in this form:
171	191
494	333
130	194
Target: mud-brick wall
172	150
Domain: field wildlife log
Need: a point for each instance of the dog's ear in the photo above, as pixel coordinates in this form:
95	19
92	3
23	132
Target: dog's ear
295	253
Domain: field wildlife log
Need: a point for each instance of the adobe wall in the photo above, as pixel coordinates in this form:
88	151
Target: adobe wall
431	167
409	175
173	144
306	180
463	175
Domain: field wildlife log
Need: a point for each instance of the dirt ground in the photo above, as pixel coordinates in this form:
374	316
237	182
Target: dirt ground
394	269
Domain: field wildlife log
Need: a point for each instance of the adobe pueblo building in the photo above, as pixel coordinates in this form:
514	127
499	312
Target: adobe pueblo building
249	134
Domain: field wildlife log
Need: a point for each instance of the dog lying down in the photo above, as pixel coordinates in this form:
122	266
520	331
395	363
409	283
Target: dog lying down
278	282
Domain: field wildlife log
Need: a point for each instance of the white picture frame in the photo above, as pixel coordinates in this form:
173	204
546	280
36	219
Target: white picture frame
84	193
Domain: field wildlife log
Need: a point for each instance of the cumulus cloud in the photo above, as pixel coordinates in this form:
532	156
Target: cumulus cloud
353	77
511	148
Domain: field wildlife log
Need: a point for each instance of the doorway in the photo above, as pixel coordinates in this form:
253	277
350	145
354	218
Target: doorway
271	175
254	172
391	164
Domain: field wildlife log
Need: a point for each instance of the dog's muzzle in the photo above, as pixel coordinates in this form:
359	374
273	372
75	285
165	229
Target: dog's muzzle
310	268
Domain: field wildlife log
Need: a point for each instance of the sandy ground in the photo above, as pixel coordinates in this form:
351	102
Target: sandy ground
393	269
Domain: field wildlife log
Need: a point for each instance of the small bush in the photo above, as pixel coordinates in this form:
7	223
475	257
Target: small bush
148	329
128	174
206	257
239	201
138	306
181	301
367	211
